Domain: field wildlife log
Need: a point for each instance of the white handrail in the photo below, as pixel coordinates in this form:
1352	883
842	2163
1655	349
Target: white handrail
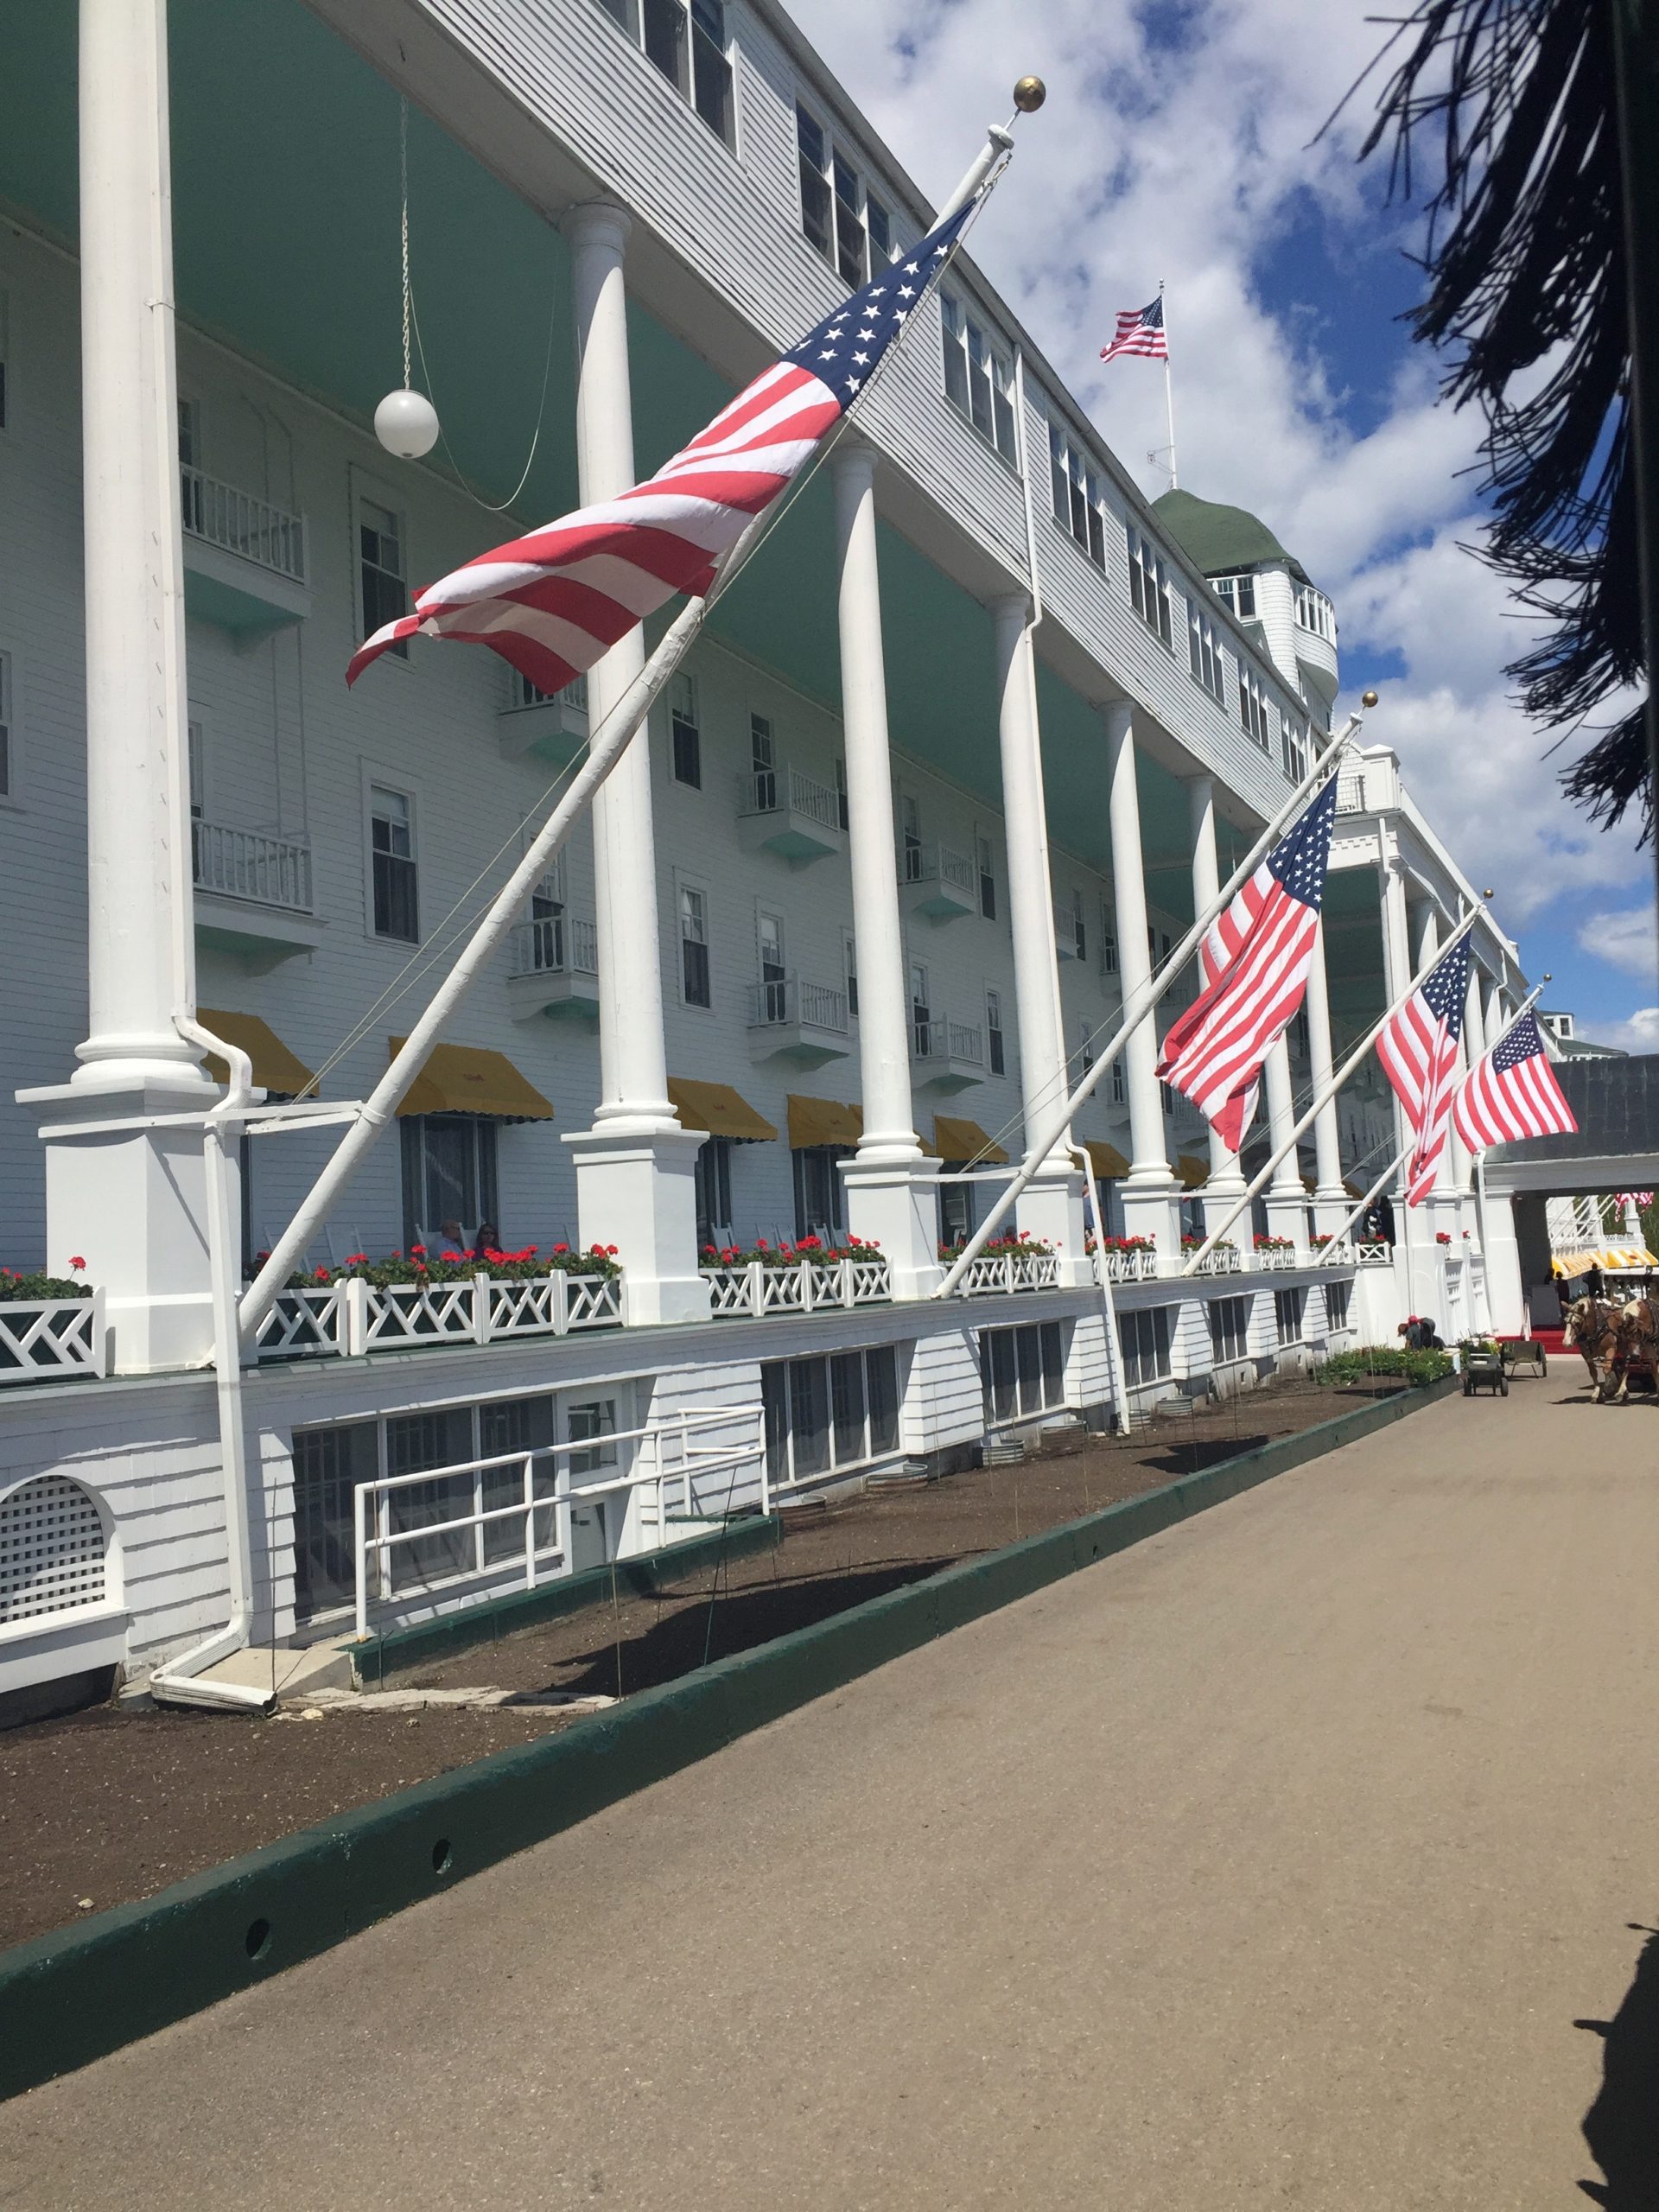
247	864
236	522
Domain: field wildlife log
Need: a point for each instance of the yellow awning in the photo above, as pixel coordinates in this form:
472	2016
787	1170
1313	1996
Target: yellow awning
716	1109
1309	1184
956	1140
1352	1192
468	1079
823	1121
275	1067
1191	1170
1108	1159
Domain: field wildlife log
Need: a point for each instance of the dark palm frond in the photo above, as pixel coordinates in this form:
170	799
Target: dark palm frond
1525	258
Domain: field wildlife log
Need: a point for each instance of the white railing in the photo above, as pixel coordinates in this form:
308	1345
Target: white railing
557	945
1351	791
237	522
1374	1254
354	1317
937	862
544	1497
1002	1271
53	1339
1278	1263
522	694
244	864
789	1000
754	1288
943	1040
773	791
1131	1267
1222	1261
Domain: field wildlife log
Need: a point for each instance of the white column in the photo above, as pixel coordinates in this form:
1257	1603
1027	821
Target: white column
891	1190
1439	1215
133	1206
1226	1180
1052	1207
1470	1048
635	1167
1330	1201
1150	1195
1286	1198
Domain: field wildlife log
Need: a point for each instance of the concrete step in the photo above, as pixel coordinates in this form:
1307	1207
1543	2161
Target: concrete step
286	1672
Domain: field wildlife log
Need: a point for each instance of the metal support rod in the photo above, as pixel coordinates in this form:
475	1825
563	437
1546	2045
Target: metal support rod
1636	88
1329	1089
1117	1395
1141	1002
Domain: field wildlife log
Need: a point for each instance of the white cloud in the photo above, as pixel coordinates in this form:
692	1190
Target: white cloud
1629	938
1639	1035
1176	144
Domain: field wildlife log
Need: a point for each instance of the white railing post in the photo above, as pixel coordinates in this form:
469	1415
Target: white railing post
558	1304
100	1343
529	1520
757	1286
352	1326
481	1309
360	1532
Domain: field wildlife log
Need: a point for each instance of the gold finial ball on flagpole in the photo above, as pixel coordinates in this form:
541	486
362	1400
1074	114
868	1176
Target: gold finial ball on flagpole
1489	892
1549	978
1368	698
1029	94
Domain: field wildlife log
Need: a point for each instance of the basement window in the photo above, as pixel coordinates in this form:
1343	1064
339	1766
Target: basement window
1021	1371
826	1415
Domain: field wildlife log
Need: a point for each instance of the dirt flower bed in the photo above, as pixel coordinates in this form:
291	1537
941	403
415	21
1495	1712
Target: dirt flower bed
112	1807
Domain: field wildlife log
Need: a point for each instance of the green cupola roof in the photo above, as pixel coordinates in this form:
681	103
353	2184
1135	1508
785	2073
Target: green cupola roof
1220	540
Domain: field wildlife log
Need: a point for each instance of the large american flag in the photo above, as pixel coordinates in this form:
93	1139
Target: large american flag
1419	1052
1253	970
1141	331
556	602
1512	1094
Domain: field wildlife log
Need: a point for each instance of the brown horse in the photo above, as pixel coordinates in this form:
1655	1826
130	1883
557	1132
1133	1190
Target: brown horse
1595	1328
1638	1341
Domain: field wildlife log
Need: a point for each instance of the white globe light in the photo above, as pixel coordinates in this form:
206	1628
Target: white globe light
406	424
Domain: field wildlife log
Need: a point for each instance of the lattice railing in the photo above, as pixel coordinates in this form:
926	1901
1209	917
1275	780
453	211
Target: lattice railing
1131	1267
353	1316
53	1339
1005	1271
756	1289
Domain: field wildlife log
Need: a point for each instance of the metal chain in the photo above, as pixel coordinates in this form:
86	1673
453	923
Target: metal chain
403	165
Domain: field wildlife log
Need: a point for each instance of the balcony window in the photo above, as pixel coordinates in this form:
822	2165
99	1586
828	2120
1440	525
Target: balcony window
1119	1093
820	1198
687	736
1230	1329
1021	1371
1079	502
1237	594
910	819
1287	1315
5	356
1293	748
693	947
380	550
978	376
690	47
774	988
1149	587
449	1177
8	762
1314	611
994	1031
825	1414
921	1011
850	948
1253	706
191	490
1203	651
1079	927
843	811
1336	1305
987	878
713	1179
839	215
1108	947
391	843
1144	1339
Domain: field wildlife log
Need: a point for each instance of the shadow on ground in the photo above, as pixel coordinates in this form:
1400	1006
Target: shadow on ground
1621	2126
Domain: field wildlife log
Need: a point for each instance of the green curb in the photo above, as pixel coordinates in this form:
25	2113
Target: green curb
399	1649
71	1996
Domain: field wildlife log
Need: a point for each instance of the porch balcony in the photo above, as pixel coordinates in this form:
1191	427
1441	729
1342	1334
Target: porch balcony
550	725
553	970
253	894
937	880
782	809
948	1054
244	559
798	1020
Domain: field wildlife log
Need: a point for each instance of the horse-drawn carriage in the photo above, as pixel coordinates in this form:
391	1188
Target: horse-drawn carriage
1617	1340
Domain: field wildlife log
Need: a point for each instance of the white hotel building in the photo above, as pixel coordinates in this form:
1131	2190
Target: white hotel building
948	768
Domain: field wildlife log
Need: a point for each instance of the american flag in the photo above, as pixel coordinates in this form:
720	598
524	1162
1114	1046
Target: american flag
1139	331
1253	970
1513	1093
554	602
1419	1052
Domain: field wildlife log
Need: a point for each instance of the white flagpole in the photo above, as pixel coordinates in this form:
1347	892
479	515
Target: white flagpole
1143	999
1169	394
1328	1091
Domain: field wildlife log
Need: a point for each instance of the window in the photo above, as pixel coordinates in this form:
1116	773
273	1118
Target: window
850	227
1314	611
1239	594
1021	1371
956	1211
1086	1058
820	1199
693	947
824	1415
391	844
196	765
713	1176
1149	587
515	1425
921	1010
1079	502
1253	706
763	765
1299	1036
773	984
191	497
843	811
1079	927
449	1179
687	737
994	1031
1166	1095
689	47
1204	649
1144	1339
1292	747
1230	1329
415	1442
849	958
987	878
1287	1315
7	745
380	554
5	358
1108	947
910	823
328	1464
978	376
1119	1092
1336	1306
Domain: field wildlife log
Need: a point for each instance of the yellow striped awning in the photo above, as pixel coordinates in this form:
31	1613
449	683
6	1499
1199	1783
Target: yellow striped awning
468	1079
821	1121
1109	1161
1192	1170
957	1139
275	1068
718	1110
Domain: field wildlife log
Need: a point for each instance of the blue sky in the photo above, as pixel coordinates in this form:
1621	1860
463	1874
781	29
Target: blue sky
1176	144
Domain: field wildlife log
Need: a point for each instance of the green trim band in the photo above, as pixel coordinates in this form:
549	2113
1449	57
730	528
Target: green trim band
71	1996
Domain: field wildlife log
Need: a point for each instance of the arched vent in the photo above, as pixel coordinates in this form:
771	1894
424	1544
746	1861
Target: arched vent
53	1554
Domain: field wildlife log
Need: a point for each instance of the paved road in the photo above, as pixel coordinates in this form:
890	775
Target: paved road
1271	1864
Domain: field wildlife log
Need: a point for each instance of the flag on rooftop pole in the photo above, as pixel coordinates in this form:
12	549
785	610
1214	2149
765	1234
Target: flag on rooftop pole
1512	1093
1419	1052
1253	972
554	602
1139	332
